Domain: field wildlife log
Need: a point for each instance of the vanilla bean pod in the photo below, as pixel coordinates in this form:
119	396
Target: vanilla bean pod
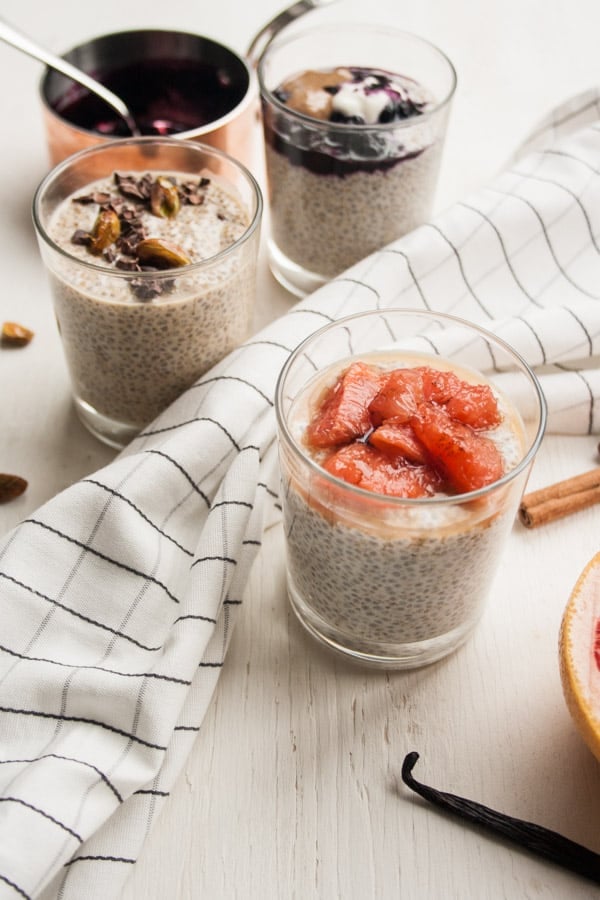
541	841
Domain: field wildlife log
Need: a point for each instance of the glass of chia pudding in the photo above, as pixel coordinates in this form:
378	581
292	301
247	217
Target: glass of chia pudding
151	248
405	442
354	120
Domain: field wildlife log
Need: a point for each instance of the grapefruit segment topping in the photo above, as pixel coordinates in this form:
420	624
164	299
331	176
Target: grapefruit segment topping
400	394
468	460
344	411
370	469
408	431
475	405
438	385
397	438
471	404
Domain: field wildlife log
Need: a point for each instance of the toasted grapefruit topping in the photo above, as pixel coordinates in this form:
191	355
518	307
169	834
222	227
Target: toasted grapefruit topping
400	394
475	405
439	386
471	404
344	412
397	438
421	418
370	469
468	460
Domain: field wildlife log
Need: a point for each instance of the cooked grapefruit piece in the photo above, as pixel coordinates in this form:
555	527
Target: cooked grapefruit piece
396	438
471	404
370	469
465	459
439	385
475	405
344	412
399	396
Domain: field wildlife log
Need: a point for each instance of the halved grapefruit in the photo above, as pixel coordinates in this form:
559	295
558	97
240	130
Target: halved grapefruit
579	654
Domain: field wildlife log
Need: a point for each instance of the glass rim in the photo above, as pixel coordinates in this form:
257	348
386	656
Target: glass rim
414	502
173	142
347	127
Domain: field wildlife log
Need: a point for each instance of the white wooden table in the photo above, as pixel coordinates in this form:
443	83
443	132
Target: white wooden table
293	789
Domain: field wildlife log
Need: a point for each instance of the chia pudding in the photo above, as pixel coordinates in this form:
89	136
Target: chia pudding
153	279
352	157
382	576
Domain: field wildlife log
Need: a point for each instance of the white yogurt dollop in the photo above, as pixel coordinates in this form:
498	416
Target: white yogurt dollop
352	100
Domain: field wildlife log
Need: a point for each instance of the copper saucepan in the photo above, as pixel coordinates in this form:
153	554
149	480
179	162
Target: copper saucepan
130	62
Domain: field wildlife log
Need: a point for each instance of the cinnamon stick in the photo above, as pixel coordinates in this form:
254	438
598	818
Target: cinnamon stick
560	499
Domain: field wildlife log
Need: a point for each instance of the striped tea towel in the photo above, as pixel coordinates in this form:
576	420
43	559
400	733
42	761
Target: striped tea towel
118	597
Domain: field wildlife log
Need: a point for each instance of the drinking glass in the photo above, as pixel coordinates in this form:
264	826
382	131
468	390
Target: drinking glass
338	190
135	339
390	581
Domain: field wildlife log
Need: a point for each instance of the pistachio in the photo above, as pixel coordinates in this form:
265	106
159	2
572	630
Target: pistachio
11	486
164	198
105	232
161	254
15	335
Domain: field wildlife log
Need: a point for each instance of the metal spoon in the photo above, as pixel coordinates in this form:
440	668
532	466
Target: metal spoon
15	38
264	37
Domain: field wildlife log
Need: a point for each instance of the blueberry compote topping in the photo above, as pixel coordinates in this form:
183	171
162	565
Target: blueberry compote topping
346	96
373	97
166	96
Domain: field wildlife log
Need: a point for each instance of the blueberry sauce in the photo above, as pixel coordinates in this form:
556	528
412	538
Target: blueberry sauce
320	162
165	97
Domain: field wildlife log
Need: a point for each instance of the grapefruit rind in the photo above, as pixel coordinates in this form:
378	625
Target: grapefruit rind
579	671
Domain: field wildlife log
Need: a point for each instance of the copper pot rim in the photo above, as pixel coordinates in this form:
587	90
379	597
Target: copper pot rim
248	99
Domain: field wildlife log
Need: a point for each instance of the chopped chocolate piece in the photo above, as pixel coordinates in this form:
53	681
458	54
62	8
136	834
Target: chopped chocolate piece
137	188
193	199
127	245
81	237
100	197
148	288
127	265
129	213
192	193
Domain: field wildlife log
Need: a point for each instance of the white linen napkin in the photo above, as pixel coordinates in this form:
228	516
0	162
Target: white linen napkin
118	597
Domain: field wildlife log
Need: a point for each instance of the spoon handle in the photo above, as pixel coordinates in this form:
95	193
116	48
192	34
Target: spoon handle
20	41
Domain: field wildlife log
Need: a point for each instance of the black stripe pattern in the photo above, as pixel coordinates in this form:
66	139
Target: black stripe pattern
118	597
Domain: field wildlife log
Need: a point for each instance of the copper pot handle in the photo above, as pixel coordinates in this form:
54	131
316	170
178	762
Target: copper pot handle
264	37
